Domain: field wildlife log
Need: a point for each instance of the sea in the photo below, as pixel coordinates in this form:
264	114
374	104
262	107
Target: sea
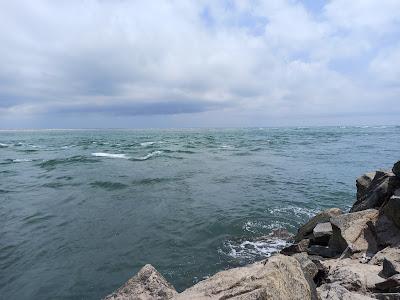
81	211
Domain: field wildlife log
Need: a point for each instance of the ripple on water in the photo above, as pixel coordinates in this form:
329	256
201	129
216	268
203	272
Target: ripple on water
78	159
108	185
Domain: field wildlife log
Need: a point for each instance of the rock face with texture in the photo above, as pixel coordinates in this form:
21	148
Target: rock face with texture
354	230
334	291
280	278
306	230
377	192
353	275
147	284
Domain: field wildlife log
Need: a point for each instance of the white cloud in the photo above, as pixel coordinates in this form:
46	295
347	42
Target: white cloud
274	58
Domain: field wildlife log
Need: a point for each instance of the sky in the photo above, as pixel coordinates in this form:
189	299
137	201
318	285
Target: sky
204	63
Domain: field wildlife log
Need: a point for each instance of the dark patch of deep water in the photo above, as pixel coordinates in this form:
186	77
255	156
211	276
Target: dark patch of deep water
81	211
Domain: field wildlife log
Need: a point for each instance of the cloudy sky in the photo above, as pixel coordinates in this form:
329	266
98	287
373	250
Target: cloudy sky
167	63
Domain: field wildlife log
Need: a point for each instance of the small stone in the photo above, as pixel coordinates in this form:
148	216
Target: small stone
322	229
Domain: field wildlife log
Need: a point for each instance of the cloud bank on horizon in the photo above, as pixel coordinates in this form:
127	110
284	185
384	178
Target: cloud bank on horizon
99	63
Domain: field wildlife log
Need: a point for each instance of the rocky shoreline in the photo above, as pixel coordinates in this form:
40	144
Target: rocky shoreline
335	255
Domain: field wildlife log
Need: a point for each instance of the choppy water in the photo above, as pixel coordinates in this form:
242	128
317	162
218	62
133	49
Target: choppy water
81	211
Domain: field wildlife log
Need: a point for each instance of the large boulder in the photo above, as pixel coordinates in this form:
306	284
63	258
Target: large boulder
396	168
147	284
306	230
354	231
389	259
392	284
334	291
281	277
376	192
386	232
352	275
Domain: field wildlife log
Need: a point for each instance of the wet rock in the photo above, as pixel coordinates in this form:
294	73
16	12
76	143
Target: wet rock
377	192
334	291
396	168
299	247
352	275
281	277
147	284
306	230
392	284
355	231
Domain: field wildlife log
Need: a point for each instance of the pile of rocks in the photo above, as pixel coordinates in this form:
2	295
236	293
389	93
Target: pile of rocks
335	255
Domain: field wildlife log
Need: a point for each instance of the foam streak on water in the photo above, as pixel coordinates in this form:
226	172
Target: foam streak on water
82	210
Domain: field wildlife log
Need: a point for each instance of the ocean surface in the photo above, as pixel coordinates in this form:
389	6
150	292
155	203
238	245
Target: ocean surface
81	211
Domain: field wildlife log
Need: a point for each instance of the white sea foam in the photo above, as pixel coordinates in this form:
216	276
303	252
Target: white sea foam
253	249
4	145
155	153
144	144
110	155
21	160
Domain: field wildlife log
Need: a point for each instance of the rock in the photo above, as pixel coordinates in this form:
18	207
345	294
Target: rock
352	275
307	265
392	284
322	229
392	254
334	291
281	277
392	209
386	232
354	230
396	168
306	230
386	296
323	251
296	248
322	234
377	192
363	182
389	268
147	284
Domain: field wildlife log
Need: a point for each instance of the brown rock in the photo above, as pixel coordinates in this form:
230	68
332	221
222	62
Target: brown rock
392	254
355	230
147	284
279	278
392	284
334	291
299	247
306	230
352	275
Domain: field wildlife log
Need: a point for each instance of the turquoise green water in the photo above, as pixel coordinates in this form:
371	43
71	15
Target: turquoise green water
82	210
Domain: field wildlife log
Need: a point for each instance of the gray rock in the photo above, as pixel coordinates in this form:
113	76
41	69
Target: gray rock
392	209
147	284
386	232
386	296
281	277
396	168
324	251
377	192
363	182
310	270
389	268
306	230
299	247
354	231
322	229
392	284
334	291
